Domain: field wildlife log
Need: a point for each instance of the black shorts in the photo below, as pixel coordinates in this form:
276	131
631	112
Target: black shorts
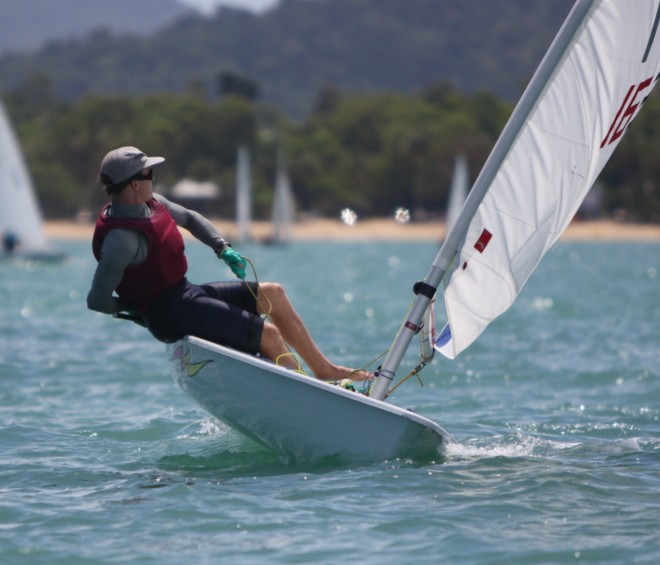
221	312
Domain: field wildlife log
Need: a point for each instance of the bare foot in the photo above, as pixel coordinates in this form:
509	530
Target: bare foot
337	373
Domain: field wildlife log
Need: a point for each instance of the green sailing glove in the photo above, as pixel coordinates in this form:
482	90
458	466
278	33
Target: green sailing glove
234	260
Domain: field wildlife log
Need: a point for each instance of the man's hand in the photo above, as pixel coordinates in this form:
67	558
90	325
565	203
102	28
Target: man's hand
234	260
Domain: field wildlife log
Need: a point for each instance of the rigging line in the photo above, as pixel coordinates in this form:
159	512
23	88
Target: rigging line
416	370
299	370
372	381
414	373
369	363
267	312
654	30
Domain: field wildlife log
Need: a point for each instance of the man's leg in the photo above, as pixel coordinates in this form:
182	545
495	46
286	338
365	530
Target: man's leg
288	327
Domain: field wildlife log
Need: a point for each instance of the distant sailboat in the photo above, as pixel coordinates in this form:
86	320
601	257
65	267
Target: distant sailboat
457	191
21	222
243	195
283	205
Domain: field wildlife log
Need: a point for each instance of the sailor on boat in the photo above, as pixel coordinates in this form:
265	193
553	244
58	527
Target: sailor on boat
10	242
142	271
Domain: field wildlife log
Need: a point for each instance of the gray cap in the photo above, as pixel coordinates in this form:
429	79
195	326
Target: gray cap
121	164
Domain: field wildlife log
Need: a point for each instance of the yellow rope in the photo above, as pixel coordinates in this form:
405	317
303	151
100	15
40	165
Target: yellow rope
300	370
414	372
267	312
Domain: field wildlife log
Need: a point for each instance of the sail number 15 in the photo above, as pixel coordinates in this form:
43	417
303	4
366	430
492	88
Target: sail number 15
627	110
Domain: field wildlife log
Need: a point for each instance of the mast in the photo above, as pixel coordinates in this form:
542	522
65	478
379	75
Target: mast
243	195
426	289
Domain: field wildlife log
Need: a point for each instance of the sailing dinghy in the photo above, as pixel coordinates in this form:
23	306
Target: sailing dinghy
283	205
296	415
457	191
243	195
21	224
593	81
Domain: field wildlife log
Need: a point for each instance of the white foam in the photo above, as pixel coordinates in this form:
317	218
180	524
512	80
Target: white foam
512	447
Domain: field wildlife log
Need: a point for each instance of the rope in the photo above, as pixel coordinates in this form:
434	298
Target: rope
299	370
267	312
414	373
367	383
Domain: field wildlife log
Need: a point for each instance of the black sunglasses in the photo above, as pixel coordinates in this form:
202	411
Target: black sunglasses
148	176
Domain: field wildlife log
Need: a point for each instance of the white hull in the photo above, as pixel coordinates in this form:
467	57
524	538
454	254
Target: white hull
295	415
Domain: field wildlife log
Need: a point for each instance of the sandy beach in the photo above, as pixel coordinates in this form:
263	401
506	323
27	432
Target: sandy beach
384	229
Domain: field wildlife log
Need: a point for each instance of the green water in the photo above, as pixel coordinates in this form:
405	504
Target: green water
555	411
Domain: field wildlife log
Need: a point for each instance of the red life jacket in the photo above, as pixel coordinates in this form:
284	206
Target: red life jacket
165	264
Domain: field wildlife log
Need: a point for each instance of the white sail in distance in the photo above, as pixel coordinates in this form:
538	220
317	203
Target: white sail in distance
457	190
589	88
19	212
243	195
283	204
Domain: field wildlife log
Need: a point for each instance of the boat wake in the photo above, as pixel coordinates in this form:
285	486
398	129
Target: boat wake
525	446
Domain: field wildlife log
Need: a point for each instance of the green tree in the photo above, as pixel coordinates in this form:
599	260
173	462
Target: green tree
372	153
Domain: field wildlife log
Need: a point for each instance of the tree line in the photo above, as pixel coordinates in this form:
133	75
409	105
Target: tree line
370	152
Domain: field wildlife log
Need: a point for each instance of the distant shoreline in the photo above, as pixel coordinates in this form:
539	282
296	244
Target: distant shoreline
385	229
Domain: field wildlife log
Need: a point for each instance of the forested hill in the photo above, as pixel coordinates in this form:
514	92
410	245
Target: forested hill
303	45
28	24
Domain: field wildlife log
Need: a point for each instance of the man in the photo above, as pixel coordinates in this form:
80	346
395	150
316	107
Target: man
140	255
9	242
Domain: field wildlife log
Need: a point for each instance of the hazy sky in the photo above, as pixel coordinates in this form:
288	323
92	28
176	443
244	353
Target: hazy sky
209	5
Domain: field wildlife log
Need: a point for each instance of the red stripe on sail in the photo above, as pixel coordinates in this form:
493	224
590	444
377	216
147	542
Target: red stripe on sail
483	241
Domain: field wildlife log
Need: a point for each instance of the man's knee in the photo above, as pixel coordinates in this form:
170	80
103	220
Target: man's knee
270	338
274	292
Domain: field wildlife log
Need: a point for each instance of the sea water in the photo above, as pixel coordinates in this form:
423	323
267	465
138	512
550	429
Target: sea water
554	412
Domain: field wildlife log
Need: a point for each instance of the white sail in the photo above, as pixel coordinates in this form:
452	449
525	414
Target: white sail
20	216
590	85
578	113
283	205
243	195
457	191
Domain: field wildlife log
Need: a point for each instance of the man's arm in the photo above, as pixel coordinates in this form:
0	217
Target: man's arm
201	228
120	249
205	232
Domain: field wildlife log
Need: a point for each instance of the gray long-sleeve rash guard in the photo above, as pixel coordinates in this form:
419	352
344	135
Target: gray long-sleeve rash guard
124	247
